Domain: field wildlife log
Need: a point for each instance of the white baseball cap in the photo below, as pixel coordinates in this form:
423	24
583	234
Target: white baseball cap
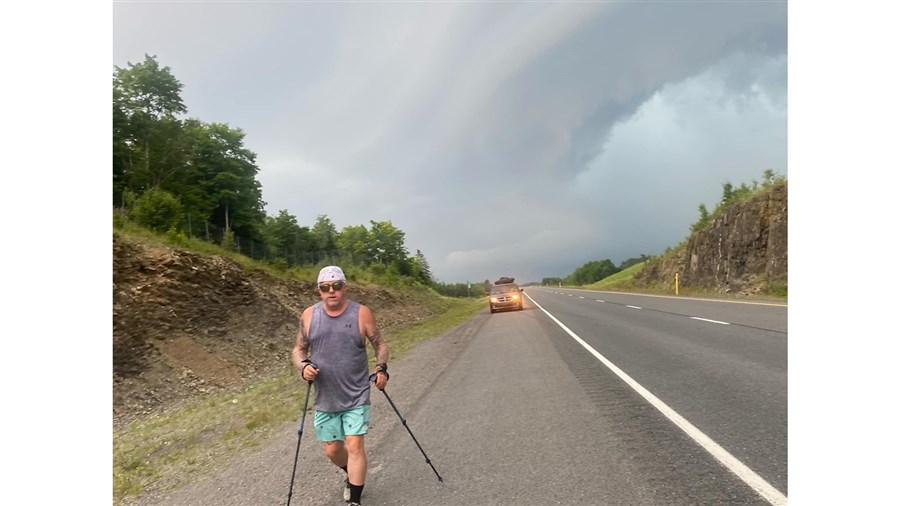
331	273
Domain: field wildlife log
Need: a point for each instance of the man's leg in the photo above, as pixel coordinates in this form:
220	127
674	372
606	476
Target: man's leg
357	465
336	452
330	430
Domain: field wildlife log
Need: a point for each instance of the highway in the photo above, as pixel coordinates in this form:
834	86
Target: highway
528	413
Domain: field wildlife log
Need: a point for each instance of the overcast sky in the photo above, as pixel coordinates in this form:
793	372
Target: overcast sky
504	139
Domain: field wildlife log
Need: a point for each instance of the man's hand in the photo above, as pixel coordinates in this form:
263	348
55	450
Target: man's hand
309	371
380	378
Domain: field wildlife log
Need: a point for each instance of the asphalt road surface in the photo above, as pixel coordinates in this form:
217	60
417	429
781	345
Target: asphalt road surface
581	398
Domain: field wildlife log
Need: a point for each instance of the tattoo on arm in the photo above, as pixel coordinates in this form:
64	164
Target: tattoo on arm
301	347
380	345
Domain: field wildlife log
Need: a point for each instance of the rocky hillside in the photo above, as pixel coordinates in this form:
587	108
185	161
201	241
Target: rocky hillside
187	325
741	252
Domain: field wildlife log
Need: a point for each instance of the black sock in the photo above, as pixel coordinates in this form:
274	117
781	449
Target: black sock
356	492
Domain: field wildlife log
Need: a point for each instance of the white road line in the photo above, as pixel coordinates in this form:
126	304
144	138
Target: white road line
598	300
635	307
707	320
755	481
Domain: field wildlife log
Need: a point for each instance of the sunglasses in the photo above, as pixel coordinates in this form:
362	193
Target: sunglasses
337	285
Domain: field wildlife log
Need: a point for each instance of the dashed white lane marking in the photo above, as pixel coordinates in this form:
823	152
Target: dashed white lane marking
634	307
708	320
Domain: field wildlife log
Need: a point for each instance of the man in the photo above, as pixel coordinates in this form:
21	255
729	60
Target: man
333	335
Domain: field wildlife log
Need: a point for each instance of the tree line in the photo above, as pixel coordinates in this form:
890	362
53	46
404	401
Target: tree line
197	179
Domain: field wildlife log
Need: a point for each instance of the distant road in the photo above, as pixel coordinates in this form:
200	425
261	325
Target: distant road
582	398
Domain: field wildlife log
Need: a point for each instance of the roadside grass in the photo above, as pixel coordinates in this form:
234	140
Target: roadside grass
178	446
622	280
779	290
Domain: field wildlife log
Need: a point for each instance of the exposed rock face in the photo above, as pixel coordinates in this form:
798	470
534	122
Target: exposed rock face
743	251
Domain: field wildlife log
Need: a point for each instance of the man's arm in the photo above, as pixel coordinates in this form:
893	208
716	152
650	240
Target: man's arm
300	353
373	334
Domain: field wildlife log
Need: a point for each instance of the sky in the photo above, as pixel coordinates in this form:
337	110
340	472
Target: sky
519	139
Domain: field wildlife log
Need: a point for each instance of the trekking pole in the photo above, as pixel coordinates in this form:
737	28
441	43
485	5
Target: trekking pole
299	435
403	420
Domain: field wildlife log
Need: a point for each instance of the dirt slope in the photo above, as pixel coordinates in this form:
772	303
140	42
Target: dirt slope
187	325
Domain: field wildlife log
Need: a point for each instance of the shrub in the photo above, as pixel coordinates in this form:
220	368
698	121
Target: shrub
176	236
158	210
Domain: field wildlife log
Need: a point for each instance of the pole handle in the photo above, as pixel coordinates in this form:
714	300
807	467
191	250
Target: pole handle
314	366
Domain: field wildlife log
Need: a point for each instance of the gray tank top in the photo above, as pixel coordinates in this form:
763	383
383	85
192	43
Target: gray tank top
337	348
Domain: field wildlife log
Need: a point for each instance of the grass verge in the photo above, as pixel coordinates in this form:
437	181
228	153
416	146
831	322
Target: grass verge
622	280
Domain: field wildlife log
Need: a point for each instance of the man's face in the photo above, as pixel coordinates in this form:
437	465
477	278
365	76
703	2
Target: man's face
332	293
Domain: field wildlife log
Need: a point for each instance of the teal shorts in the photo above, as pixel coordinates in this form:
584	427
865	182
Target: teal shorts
339	424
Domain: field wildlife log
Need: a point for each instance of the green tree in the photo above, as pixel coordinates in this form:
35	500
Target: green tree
191	184
403	267
287	239
592	272
223	172
727	193
324	233
704	218
146	99
386	243
421	270
354	240
280	233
